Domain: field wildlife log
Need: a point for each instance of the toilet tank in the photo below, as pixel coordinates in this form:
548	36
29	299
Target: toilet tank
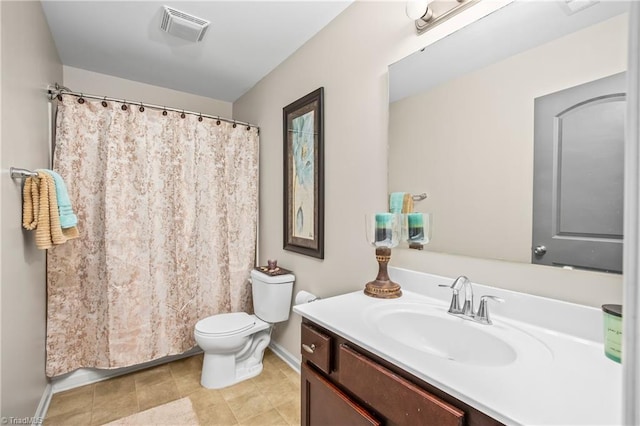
272	296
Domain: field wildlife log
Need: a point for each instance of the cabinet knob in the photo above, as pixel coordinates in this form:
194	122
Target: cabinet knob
539	250
308	348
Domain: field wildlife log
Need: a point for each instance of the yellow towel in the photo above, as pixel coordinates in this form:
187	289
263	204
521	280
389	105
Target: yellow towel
40	212
407	203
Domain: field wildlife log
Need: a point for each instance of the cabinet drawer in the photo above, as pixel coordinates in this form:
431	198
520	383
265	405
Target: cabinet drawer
316	348
395	398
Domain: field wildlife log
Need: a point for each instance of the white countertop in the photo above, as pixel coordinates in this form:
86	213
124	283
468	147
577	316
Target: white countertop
568	382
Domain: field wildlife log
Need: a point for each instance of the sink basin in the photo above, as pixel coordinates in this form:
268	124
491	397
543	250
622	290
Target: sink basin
429	329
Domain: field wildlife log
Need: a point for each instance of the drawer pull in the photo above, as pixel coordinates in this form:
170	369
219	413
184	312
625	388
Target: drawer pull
308	348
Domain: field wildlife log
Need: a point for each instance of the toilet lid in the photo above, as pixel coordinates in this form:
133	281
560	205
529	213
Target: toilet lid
223	324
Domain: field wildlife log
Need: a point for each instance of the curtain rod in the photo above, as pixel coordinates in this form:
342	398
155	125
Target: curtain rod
57	91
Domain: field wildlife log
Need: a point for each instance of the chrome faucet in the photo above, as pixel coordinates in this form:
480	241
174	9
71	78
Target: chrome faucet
466	311
461	283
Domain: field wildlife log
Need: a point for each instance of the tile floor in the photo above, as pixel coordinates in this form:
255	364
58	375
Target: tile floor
272	398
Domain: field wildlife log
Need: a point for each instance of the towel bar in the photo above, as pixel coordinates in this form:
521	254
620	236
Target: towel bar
18	173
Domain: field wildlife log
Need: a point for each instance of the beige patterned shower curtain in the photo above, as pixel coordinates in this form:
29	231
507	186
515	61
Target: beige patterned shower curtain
167	210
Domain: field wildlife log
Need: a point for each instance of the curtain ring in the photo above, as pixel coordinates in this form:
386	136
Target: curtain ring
218	121
234	125
182	115
81	99
141	107
104	102
248	127
59	97
164	112
200	118
124	105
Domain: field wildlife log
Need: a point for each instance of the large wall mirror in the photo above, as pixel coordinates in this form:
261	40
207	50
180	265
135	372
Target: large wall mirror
464	127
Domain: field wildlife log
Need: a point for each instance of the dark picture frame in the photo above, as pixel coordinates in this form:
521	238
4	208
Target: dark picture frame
303	160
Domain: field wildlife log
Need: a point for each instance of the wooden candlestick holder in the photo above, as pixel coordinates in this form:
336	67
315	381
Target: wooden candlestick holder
382	287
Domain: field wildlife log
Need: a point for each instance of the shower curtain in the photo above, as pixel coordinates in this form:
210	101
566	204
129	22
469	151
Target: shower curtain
167	209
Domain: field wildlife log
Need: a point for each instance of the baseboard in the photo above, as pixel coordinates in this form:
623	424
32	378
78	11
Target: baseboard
86	376
285	355
43	406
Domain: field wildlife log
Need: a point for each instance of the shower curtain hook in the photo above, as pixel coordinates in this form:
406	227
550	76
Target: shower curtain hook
218	121
200	118
182	115
124	105
234	125
104	102
141	107
164	112
81	99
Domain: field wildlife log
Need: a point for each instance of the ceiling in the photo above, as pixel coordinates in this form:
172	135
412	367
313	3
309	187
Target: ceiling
244	42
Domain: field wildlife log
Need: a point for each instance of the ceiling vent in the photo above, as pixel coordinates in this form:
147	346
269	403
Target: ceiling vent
183	25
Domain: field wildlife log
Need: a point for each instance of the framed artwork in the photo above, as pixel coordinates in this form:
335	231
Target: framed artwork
303	127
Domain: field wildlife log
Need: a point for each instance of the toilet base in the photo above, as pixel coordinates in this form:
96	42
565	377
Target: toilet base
222	370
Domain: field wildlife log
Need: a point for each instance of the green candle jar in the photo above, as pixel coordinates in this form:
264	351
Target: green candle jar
415	226
613	331
384	227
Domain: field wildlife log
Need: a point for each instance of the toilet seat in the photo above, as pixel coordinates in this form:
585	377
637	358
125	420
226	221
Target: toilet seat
225	324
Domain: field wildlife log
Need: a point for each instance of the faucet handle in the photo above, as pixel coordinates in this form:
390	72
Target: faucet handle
454	307
483	311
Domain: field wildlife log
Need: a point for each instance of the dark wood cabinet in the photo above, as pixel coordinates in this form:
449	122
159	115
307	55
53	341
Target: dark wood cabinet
325	404
343	384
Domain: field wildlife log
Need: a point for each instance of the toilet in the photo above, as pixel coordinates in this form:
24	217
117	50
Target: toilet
234	343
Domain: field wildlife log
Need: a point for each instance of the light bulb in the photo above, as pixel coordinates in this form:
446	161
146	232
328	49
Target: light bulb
416	9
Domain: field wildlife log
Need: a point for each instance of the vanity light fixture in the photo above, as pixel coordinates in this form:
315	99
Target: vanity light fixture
429	13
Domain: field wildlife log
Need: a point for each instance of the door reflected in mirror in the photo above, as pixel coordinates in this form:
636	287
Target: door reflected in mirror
462	126
578	176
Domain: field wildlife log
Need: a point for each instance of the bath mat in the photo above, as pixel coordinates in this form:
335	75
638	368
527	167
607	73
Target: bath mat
179	412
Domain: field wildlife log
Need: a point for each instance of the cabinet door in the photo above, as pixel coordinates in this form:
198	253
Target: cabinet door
325	404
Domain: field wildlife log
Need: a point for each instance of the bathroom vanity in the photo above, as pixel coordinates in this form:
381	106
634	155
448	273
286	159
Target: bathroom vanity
344	384
406	361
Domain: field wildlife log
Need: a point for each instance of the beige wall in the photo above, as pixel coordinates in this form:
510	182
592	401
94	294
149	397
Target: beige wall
471	141
94	83
29	63
350	59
